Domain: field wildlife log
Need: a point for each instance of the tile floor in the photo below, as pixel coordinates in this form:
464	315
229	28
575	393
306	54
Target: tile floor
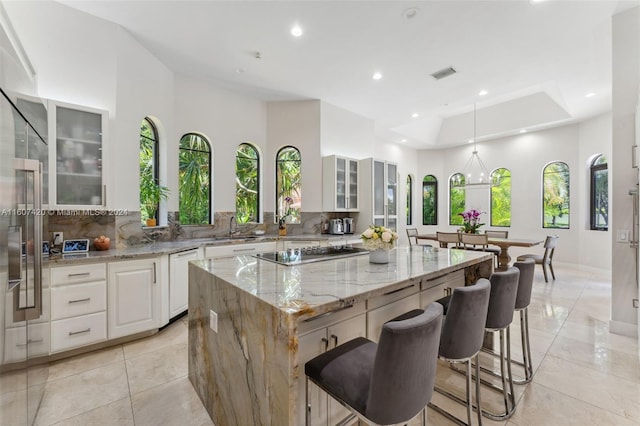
584	375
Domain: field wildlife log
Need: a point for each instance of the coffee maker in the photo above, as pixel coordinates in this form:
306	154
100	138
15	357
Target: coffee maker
347	225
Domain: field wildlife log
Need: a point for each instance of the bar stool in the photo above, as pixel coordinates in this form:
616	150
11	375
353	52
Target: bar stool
523	300
502	302
386	383
461	339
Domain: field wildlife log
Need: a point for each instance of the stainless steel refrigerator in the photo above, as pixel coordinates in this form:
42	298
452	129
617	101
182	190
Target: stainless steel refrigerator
24	330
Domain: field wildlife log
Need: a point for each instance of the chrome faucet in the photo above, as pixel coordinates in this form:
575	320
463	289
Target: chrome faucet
232	229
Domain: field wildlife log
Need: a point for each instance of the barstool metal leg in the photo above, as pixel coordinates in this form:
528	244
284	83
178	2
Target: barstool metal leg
469	403
527	363
508	395
307	413
478	406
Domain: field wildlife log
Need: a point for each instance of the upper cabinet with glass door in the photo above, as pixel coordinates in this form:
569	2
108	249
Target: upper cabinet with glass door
340	184
77	154
379	194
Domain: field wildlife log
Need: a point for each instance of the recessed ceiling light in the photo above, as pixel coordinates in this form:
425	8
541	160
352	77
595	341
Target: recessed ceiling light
239	70
376	76
415	115
403	140
470	141
523	130
296	30
589	95
410	13
482	92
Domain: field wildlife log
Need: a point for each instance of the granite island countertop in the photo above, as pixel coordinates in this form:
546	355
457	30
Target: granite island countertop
311	289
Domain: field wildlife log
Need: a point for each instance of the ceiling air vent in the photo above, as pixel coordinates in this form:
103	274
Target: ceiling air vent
446	72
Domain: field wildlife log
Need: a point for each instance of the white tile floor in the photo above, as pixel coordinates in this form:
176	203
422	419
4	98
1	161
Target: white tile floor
584	374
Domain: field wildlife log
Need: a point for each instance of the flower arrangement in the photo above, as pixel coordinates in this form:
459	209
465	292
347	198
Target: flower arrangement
471	221
287	212
378	237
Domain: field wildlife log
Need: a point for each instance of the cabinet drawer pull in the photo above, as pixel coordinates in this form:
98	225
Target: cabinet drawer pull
86	299
328	313
73	333
245	249
29	342
335	340
399	289
326	343
79	274
187	253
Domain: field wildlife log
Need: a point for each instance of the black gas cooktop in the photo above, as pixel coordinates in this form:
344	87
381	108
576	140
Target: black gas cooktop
299	256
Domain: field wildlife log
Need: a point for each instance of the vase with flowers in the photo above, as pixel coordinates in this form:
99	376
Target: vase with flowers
378	240
282	221
471	221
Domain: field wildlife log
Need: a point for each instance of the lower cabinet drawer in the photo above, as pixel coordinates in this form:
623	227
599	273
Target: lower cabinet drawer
15	342
78	331
78	299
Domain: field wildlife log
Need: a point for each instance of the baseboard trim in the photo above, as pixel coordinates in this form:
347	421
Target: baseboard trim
623	328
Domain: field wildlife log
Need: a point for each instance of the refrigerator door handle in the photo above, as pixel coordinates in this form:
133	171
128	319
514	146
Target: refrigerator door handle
15	256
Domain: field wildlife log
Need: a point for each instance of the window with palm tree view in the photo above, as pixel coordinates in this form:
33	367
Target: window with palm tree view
501	197
599	194
149	180
247	183
288	184
429	200
457	198
555	184
194	179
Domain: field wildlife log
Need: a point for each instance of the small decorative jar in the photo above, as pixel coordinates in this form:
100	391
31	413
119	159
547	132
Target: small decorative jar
379	256
282	230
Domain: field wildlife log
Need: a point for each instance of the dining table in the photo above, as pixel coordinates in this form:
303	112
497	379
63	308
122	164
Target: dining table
504	243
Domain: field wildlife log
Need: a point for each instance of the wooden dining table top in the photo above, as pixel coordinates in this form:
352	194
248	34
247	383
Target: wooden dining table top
500	242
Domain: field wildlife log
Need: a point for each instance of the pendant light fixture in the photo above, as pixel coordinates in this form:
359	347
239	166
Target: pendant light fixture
475	172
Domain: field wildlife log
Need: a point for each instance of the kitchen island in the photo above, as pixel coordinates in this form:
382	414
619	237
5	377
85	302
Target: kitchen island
253	323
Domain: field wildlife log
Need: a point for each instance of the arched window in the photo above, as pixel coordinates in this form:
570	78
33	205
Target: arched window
555	184
409	200
149	178
457	198
194	179
599	205
429	200
501	197
288	184
247	183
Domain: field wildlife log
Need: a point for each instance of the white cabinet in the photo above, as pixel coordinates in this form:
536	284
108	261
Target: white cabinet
238	249
179	280
77	138
78	306
133	297
379	194
390	305
340	184
437	288
317	336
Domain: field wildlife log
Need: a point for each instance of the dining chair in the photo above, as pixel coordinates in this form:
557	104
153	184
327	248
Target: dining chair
495	249
446	238
386	383
412	234
478	242
545	259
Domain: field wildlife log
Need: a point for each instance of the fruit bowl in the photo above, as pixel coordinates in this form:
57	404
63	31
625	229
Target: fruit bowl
102	243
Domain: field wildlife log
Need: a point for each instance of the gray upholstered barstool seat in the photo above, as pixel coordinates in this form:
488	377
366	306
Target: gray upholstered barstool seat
386	383
502	302
461	340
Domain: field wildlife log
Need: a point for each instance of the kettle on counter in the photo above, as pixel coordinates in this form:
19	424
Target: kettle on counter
347	225
335	226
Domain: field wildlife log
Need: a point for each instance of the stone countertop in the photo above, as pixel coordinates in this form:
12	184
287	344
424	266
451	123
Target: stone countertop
169	247
311	289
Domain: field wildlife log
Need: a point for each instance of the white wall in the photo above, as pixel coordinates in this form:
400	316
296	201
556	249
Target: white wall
626	80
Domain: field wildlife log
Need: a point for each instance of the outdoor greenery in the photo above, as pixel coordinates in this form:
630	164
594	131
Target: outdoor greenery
599	194
501	197
289	182
194	178
409	200
151	192
247	183
429	200
555	184
457	199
